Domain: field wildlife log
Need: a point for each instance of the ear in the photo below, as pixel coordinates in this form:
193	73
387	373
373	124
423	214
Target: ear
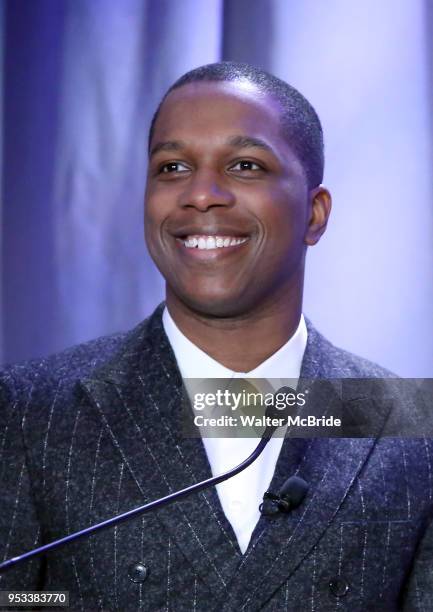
321	204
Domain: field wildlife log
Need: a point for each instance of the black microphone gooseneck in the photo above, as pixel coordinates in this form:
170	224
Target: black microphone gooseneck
271	413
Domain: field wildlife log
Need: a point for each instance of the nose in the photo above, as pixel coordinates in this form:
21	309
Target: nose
205	189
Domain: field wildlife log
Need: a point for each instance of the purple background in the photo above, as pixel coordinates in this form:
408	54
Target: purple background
80	82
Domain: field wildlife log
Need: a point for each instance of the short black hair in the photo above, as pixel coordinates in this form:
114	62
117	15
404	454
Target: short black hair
300	122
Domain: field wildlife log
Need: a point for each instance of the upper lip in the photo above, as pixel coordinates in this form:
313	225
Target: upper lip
209	230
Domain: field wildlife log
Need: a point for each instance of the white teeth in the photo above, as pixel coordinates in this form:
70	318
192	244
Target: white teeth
211	242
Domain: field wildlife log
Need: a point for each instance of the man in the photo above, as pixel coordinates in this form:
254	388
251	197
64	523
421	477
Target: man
233	199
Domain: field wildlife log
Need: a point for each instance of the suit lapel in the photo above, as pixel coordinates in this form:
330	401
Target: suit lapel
139	397
329	466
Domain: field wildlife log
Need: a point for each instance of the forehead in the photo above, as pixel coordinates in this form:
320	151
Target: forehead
205	108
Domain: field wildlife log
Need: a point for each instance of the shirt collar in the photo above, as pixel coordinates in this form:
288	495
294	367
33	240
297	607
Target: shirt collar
194	363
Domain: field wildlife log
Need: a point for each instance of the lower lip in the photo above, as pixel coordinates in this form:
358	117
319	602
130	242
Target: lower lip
209	255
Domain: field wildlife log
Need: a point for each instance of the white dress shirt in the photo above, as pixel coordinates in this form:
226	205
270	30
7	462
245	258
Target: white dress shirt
241	495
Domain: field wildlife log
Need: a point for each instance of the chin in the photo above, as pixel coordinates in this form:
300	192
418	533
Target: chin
215	305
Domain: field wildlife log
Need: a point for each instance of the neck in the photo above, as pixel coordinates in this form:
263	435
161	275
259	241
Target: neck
241	342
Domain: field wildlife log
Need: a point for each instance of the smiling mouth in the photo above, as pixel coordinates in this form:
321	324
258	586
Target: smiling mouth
204	242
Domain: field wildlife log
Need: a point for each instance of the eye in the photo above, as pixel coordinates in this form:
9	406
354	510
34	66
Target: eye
246	165
172	167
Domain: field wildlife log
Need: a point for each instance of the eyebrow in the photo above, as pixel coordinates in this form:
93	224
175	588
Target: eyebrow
237	142
169	145
247	142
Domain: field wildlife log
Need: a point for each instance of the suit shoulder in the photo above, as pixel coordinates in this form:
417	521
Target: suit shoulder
80	361
324	359
359	367
70	364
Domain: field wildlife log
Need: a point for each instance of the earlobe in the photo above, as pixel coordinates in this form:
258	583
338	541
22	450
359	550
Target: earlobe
320	209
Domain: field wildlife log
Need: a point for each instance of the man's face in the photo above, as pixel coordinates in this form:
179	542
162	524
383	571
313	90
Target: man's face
227	200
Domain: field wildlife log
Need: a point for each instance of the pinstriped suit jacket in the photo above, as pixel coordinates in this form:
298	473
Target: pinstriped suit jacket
94	431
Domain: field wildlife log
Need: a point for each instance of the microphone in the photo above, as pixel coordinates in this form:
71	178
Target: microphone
290	497
272	413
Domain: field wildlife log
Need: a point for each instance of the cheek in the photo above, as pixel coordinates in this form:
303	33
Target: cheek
152	225
284	216
155	211
160	201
